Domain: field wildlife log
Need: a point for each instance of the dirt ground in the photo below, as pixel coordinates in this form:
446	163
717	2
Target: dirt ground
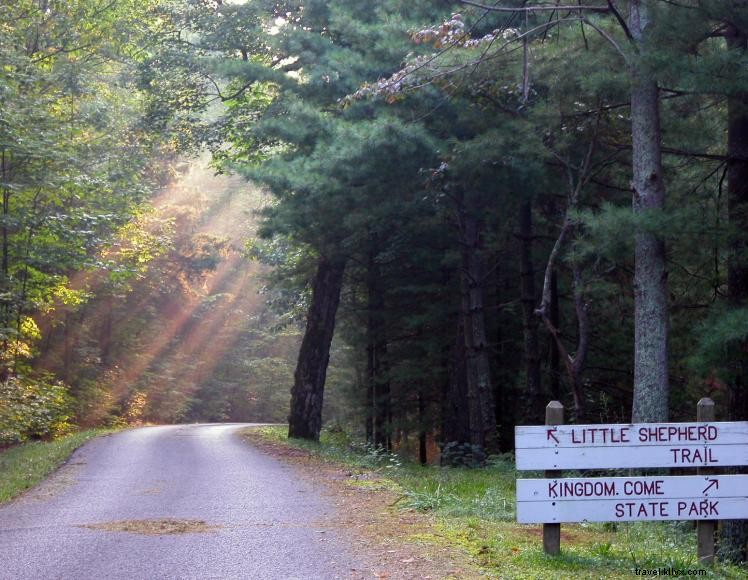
386	537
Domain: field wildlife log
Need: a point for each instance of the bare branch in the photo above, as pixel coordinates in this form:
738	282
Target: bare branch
545	300
583	321
620	19
574	364
530	9
526	65
61	50
699	155
608	37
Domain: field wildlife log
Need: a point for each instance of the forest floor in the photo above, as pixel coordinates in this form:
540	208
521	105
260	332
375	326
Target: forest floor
431	522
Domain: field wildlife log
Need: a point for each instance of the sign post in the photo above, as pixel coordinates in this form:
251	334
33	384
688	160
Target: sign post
705	529
554	415
705	497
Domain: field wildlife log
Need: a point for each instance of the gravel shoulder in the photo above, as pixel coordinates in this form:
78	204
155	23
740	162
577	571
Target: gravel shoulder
397	544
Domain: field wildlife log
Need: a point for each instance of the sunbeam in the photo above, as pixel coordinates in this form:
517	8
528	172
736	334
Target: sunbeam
180	316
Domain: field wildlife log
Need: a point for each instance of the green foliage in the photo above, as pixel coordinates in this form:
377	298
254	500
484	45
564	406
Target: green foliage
606	233
33	408
722	339
145	237
77	157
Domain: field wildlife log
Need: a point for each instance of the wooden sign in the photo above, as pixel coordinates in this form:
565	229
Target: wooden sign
632	445
705	497
708	497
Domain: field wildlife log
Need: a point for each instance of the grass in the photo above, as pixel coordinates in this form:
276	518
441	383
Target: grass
474	509
25	465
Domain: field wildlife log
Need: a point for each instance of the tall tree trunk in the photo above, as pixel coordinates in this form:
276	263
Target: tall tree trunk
379	385
651	384
423	456
578	178
505	390
305	418
533	395
583	343
369	419
481	404
733	543
455	413
105	332
68	344
575	364
6	212
555	355
5	266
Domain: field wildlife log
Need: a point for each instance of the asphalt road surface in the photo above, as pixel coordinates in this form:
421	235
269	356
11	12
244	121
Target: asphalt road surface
252	515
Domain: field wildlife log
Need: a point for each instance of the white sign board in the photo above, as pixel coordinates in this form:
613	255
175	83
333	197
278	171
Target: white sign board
632	445
604	499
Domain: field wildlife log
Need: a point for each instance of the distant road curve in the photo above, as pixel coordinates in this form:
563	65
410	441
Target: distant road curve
247	515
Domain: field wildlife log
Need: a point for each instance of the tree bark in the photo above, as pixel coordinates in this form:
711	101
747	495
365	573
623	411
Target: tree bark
481	404
555	355
733	545
583	343
651	383
5	267
305	418
379	385
423	456
533	397
505	391
105	332
67	346
578	178
574	365
369	412
455	413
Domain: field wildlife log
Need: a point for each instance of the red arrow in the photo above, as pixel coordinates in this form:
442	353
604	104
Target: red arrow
712	483
551	433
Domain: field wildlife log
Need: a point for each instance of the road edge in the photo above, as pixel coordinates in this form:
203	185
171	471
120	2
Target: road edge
399	543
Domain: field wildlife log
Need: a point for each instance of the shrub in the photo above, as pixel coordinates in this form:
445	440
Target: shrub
33	408
456	454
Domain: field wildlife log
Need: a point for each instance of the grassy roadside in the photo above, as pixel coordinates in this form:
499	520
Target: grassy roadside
474	510
23	466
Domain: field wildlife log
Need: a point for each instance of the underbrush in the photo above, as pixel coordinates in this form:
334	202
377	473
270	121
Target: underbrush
31	408
475	509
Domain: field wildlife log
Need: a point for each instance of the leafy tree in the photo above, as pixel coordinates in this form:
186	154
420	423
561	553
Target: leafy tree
75	157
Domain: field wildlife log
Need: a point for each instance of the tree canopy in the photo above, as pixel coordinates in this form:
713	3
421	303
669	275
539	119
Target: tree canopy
458	211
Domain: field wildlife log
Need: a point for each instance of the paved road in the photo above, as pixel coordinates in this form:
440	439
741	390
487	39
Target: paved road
268	522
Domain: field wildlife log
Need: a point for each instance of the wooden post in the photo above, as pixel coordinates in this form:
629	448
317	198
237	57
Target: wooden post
554	415
705	529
